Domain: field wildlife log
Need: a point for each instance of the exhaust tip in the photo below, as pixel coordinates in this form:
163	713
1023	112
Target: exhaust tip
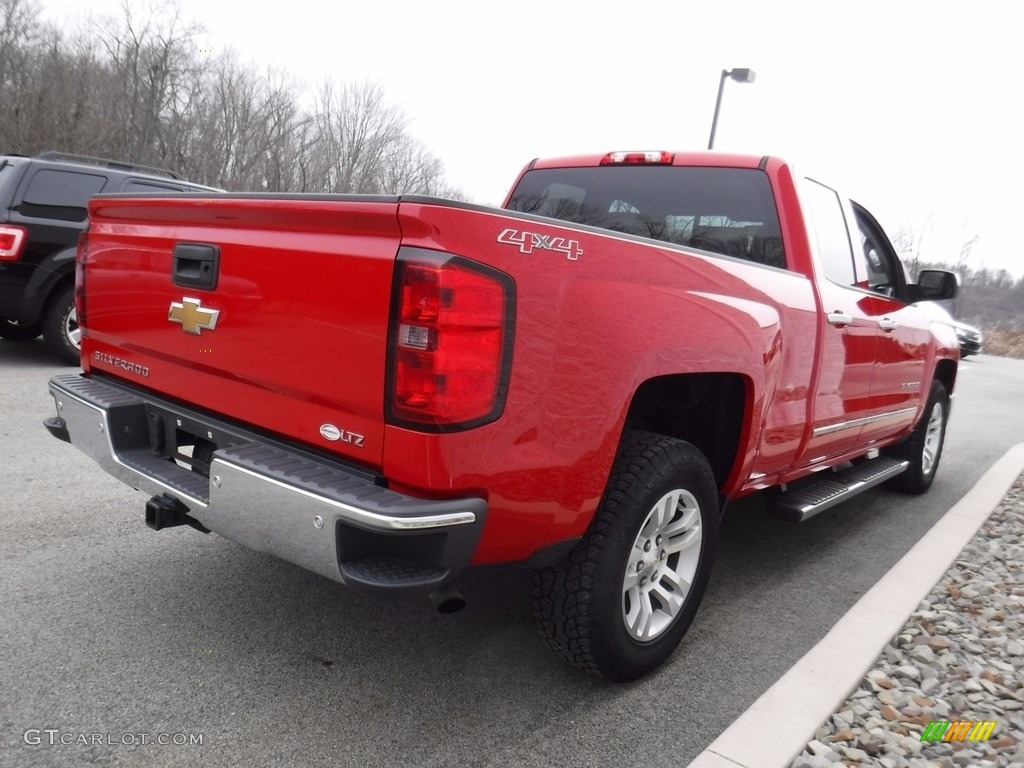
448	599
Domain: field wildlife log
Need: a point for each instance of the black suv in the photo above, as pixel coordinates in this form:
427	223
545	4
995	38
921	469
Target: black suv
42	212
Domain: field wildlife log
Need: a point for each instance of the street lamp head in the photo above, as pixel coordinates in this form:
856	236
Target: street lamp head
740	76
743	75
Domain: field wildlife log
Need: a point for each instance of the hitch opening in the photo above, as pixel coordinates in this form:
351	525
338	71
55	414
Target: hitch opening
165	511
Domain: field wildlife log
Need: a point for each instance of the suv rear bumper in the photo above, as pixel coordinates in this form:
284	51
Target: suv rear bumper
323	516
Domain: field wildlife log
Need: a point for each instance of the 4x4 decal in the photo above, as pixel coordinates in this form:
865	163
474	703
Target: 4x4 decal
530	241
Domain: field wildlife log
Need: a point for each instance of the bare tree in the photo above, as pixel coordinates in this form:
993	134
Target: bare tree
25	45
149	60
355	129
409	167
964	272
966	246
909	243
18	27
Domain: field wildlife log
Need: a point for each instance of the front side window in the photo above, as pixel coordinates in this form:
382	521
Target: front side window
730	211
880	262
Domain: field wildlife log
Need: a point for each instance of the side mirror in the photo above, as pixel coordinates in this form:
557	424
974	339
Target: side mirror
938	284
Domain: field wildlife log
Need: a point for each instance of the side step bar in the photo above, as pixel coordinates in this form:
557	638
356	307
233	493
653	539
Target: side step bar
798	505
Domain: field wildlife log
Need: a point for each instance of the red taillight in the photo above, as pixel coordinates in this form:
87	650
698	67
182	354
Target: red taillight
12	240
638	158
450	342
80	257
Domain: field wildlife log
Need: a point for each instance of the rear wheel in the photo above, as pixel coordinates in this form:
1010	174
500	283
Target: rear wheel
60	327
12	330
924	446
621	602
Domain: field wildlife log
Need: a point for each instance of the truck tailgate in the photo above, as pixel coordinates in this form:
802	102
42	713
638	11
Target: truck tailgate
290	334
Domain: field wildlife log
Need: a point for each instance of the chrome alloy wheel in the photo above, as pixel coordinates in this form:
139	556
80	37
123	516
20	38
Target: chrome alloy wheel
932	439
71	329
661	565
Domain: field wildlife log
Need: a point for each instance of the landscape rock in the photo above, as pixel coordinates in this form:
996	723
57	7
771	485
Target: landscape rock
959	657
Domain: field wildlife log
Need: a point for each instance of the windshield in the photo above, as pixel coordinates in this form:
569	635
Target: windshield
730	211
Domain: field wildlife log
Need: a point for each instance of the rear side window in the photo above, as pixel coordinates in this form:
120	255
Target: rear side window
142	188
830	231
53	194
730	211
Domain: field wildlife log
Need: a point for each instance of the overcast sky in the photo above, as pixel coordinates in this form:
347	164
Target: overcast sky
913	108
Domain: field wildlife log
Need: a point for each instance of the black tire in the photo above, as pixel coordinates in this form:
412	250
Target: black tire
923	448
583	604
59	326
11	330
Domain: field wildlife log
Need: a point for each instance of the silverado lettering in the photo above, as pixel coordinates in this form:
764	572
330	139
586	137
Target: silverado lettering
735	327
124	365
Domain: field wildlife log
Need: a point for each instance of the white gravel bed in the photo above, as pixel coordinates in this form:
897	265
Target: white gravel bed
960	657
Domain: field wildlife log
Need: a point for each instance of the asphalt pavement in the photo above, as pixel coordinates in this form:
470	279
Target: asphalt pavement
115	637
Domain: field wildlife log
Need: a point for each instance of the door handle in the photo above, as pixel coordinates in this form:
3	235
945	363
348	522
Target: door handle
838	319
888	324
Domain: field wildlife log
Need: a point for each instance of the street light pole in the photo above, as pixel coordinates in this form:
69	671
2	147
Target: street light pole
740	76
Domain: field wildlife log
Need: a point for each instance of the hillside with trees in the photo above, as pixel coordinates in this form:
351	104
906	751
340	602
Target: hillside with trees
990	299
139	89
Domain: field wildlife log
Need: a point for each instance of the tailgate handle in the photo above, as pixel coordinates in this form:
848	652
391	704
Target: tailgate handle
196	265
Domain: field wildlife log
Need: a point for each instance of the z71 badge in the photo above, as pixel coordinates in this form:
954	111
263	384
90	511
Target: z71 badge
528	242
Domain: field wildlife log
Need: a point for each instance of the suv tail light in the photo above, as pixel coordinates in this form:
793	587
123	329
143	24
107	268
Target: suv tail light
80	257
12	240
451	342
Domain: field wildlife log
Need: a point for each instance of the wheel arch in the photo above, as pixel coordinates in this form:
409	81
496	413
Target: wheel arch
945	372
53	275
709	410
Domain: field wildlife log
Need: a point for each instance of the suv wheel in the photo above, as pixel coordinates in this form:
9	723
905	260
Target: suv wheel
60	327
12	330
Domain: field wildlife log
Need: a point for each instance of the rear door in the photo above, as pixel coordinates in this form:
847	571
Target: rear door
842	402
52	202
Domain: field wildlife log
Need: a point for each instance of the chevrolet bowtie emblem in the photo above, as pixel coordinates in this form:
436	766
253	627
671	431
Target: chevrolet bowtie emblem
192	316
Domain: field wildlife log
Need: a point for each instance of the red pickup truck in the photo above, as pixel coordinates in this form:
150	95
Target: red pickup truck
386	390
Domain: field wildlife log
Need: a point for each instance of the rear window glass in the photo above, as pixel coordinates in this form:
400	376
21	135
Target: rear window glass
60	194
730	211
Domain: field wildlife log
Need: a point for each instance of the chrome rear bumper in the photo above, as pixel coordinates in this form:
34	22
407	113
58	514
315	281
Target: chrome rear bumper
333	520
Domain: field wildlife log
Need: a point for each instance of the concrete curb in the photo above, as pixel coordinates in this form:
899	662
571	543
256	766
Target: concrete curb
780	723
